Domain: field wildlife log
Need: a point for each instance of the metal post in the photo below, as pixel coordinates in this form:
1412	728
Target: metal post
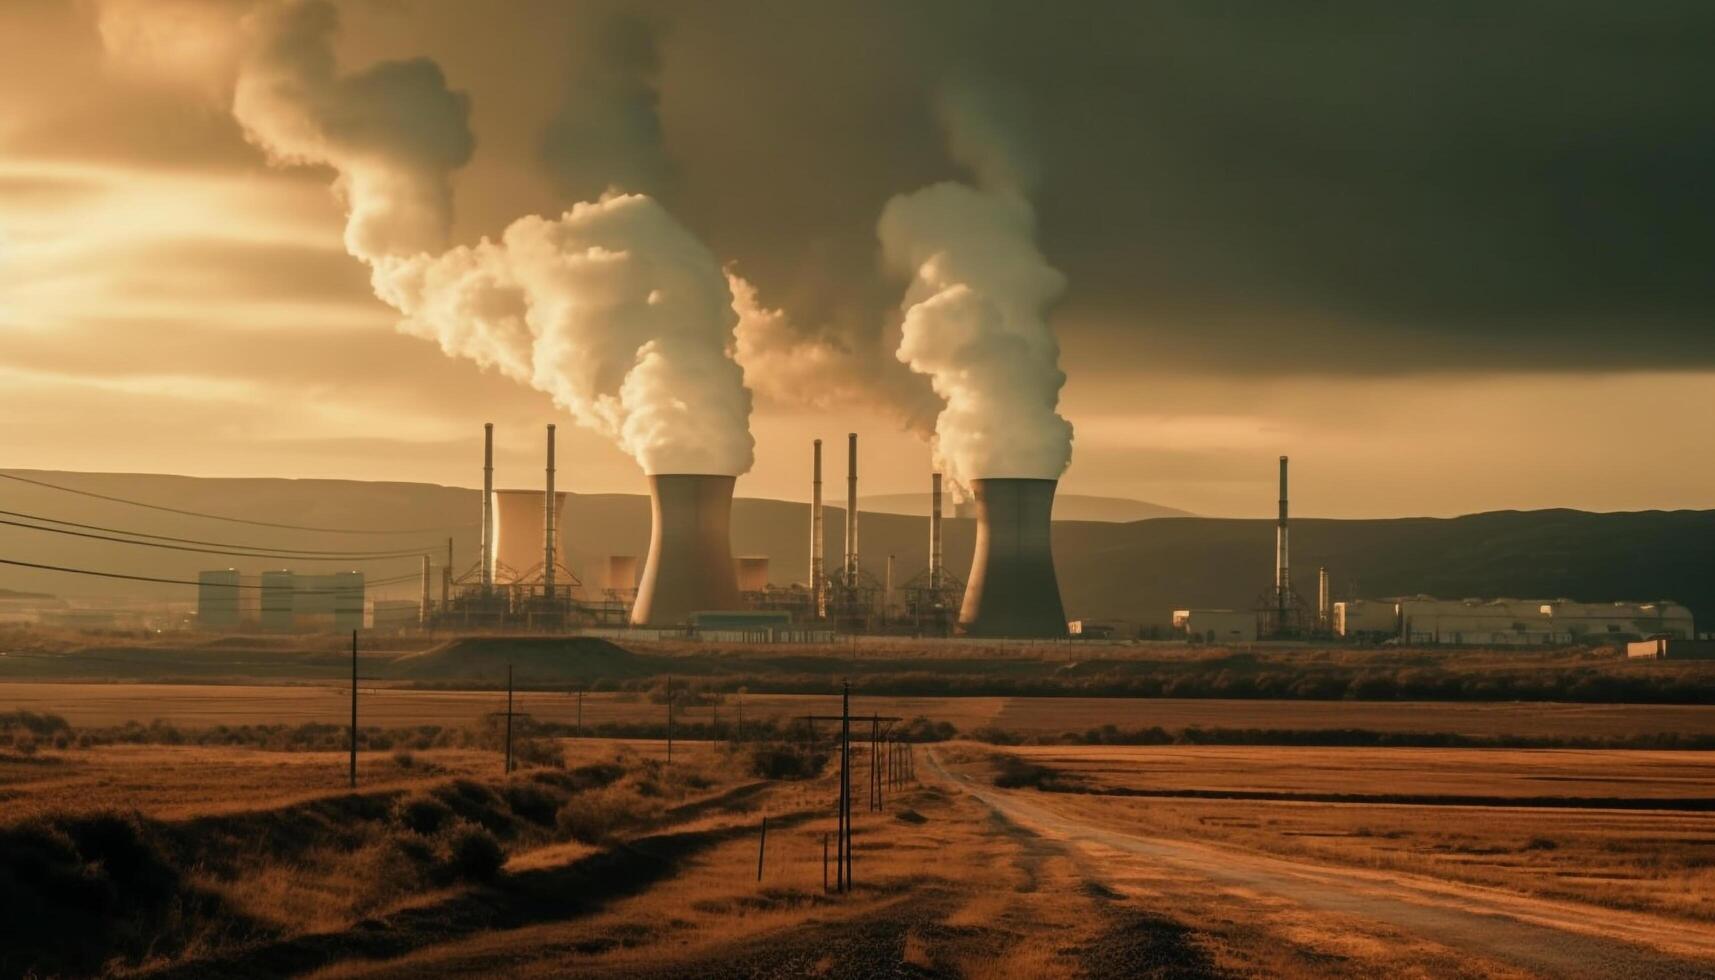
874	763
353	709
508	717
824	863
578	731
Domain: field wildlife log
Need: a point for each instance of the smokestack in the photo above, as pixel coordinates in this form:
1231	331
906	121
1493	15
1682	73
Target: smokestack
818	580
935	531
549	500
424	612
1012	590
1324	600
487	507
689	568
887	592
851	510
1282	570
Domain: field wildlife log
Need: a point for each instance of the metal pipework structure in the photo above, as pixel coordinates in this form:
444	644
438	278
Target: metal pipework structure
690	567
818	574
549	506
487	557
1282	566
851	567
934	530
1013	590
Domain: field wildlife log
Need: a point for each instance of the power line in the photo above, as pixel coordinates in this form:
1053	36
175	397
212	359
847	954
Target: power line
232	520
396	553
396	580
213	551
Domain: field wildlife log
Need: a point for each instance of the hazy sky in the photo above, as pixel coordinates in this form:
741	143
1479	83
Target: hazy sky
1451	258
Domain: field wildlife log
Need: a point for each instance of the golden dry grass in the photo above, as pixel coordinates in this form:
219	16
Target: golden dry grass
205	705
1660	861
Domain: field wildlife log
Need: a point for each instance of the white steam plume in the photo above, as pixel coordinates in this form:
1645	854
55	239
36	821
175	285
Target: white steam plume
976	307
613	308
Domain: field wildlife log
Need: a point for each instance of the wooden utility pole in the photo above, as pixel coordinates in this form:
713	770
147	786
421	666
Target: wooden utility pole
353	709
846	777
578	731
508	717
761	846
875	762
669	719
739	735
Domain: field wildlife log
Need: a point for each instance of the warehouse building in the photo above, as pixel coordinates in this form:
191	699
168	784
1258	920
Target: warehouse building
281	601
1216	625
1508	622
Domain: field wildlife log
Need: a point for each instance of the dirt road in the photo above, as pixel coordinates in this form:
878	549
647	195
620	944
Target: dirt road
1552	938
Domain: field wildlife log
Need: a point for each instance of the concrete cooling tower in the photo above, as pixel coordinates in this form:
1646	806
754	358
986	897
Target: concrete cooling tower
620	573
520	526
1012	589
752	572
690	567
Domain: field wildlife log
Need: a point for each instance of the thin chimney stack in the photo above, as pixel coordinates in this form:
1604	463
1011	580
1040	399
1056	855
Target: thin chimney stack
851	572
1282	565
818	577
487	557
548	557
935	531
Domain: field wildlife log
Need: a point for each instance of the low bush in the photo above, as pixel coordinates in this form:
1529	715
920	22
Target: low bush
472	854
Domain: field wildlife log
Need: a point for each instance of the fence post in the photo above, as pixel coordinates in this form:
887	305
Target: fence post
353	709
761	847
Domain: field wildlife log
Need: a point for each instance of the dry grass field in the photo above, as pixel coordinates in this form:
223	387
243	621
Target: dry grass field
1642	836
202	705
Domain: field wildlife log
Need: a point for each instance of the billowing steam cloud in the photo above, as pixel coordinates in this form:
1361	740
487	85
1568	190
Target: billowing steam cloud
613	308
976	308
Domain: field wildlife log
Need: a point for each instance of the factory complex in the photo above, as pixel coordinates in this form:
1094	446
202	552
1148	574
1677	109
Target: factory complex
691	584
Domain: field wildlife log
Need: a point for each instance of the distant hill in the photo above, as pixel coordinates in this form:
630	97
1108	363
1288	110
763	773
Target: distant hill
1137	571
1067	507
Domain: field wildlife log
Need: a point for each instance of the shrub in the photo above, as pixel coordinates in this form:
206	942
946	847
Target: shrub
778	760
1014	773
422	814
472	854
404	759
533	802
595	816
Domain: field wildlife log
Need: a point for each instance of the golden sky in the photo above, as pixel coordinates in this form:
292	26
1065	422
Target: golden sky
169	302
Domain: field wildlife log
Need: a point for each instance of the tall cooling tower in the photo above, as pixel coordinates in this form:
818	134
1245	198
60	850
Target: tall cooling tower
620	574
689	568
519	530
1012	590
752	572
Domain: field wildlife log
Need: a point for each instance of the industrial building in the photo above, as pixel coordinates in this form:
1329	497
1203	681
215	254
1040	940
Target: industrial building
280	601
690	576
1216	625
1509	622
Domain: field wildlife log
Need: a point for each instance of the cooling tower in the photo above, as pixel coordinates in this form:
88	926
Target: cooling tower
752	572
689	568
620	574
1012	590
519	532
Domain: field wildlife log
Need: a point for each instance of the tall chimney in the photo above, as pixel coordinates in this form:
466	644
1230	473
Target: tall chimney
487	507
1282	569
818	574
424	612
548	501
1324	600
1012	590
887	592
935	531
690	566
851	511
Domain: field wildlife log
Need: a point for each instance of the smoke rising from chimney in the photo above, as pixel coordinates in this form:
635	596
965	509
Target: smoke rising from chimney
976	307
613	308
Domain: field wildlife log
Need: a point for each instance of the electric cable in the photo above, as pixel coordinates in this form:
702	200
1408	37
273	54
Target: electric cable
210	551
233	520
283	552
